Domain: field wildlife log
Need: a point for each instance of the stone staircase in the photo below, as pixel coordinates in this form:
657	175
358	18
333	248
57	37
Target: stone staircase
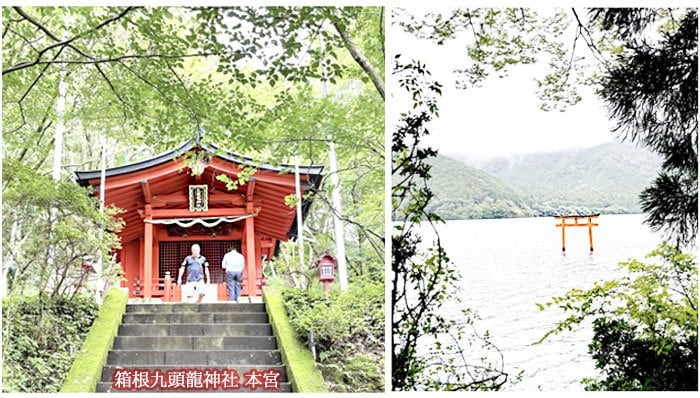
195	347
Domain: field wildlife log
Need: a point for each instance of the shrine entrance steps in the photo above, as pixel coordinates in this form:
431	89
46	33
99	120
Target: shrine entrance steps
207	337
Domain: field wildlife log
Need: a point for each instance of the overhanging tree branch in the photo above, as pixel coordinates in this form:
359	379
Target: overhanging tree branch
125	57
114	90
36	80
59	43
359	58
588	39
36	23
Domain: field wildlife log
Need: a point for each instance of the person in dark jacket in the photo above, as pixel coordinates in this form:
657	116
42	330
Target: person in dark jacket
197	269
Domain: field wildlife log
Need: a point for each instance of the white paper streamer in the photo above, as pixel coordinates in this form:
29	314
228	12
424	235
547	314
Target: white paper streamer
188	222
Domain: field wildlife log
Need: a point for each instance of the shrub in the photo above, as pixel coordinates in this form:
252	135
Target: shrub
349	331
360	373
645	323
41	336
632	362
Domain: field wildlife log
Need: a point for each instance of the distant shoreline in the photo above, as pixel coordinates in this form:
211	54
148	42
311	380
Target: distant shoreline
542	216
523	217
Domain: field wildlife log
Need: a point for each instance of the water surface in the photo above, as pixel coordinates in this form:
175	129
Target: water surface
509	265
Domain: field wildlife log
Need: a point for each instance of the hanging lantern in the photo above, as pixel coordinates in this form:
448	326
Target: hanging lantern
197	168
198	162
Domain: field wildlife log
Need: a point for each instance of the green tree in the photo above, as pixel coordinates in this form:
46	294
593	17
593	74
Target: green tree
134	73
422	280
652	93
645	323
641	61
429	350
146	79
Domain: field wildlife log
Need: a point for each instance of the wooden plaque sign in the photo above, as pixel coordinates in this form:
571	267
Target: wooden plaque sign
199	200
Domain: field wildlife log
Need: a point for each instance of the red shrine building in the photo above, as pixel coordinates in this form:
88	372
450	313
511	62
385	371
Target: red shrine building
178	198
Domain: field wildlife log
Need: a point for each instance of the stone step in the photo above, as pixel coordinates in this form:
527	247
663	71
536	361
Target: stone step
204	307
108	370
204	357
194	343
106	386
223	330
195	317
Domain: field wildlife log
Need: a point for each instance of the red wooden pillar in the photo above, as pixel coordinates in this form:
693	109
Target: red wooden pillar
141	266
250	255
147	258
258	265
563	234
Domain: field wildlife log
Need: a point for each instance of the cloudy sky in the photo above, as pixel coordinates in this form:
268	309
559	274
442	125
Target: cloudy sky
501	118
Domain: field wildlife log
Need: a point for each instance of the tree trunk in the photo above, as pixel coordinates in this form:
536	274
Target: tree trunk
337	222
359	58
57	162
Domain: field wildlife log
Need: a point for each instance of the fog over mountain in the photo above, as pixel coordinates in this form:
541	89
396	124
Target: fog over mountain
603	179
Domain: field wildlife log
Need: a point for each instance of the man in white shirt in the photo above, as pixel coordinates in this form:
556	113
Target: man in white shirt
233	263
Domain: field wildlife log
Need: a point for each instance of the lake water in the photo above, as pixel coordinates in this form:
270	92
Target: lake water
508	265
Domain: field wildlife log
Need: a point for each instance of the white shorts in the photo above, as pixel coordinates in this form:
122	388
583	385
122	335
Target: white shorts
195	288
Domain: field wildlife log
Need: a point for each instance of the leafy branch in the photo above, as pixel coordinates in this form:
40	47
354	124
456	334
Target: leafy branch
423	281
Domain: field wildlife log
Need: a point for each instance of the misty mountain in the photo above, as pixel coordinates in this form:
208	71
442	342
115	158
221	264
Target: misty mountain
463	192
603	179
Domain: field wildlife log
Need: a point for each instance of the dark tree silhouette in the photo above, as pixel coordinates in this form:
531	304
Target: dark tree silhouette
652	93
650	341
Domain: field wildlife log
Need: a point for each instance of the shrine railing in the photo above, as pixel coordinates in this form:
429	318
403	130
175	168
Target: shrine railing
163	288
168	290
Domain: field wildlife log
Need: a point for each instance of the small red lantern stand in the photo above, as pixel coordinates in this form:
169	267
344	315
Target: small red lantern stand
327	264
87	268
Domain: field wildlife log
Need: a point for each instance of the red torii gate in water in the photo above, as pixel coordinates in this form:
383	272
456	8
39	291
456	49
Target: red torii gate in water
171	202
589	223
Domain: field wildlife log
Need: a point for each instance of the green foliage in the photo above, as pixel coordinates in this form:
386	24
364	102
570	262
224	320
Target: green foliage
631	362
41	336
243	177
603	179
86	370
348	328
423	280
194	160
291	200
39	213
247	79
301	367
353	122
645	323
174	69
643	63
499	39
357	373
